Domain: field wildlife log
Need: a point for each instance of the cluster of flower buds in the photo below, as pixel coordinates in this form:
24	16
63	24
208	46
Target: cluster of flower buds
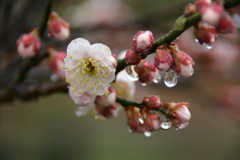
154	115
29	44
168	58
214	20
101	107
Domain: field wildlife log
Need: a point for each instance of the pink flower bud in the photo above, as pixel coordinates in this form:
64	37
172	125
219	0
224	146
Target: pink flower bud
106	100
183	64
226	25
200	4
29	44
83	99
152	102
206	34
57	63
142	42
151	119
135	121
132	57
180	114
163	60
107	112
57	27
212	14
147	72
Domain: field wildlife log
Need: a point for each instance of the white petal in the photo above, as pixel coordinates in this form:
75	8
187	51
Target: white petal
103	50
82	100
77	48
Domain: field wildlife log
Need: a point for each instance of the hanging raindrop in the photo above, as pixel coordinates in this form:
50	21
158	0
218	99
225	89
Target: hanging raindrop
144	84
132	73
196	40
166	125
129	129
157	78
54	78
170	79
147	133
141	120
209	46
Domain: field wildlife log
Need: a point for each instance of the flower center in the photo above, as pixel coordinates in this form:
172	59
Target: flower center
88	75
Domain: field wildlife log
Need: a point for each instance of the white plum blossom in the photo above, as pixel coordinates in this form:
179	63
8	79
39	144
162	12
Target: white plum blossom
90	68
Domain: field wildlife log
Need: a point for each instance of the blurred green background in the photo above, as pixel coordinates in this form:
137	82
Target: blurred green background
48	129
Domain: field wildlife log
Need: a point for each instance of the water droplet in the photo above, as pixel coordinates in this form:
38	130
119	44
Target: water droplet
184	125
129	129
54	78
144	84
78	113
147	133
209	46
132	73
141	120
178	37
170	79
196	40
166	125
99	117
157	78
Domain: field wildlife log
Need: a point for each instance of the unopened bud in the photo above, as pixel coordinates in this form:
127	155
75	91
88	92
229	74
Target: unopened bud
212	14
132	57
151	119
57	27
57	63
200	4
135	120
147	72
163	60
106	100
206	34
142	42
180	114
152	102
226	25
29	44
183	64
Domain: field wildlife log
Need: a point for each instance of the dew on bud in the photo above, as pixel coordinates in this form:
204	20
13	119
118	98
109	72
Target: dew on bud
144	84
132	73
209	46
196	40
157	78
147	133
170	79
141	120
166	125
54	78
